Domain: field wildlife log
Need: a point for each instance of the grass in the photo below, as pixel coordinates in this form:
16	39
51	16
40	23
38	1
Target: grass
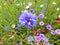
10	12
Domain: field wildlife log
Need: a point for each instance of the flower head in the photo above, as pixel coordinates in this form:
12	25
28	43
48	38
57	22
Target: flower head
28	19
42	36
30	38
41	23
29	4
41	15
57	31
37	38
45	39
49	27
53	32
13	26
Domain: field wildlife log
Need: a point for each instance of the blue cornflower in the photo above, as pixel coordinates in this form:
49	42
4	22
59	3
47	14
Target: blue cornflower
28	19
45	39
6	28
30	38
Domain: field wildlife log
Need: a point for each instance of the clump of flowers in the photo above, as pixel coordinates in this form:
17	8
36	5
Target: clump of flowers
57	31
29	19
41	39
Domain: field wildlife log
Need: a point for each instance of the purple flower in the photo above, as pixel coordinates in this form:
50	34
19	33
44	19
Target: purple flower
37	38
53	32
57	31
30	38
31	10
49	27
28	19
42	36
41	23
41	15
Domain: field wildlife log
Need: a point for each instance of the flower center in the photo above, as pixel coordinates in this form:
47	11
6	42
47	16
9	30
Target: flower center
28	19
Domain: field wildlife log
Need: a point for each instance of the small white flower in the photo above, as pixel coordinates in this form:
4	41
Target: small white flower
11	37
57	9
13	26
17	4
54	3
41	5
27	7
25	11
59	16
29	4
41	23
